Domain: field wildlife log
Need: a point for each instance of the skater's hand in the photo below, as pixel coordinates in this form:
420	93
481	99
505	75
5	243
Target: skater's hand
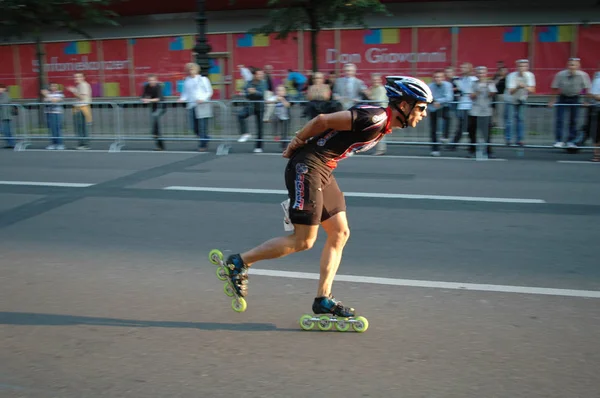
292	146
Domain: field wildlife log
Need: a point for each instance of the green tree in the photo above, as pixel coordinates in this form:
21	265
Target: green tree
288	16
31	18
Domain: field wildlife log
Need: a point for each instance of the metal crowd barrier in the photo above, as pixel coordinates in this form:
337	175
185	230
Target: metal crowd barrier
129	121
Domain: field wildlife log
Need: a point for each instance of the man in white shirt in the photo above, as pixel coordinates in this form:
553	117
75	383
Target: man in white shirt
519	85
465	88
197	92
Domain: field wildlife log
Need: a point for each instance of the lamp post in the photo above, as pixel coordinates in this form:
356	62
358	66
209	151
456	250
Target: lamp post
202	47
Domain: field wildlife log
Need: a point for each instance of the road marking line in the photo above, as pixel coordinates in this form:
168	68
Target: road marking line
577	162
362	195
433	284
47	184
190	152
403	157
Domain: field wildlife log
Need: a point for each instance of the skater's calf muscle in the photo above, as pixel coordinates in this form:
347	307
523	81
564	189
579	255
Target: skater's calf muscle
303	238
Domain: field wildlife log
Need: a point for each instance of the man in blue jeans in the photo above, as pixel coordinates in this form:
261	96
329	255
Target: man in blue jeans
5	117
519	85
568	84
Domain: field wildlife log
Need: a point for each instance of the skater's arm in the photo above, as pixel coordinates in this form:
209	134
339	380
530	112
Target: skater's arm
339	121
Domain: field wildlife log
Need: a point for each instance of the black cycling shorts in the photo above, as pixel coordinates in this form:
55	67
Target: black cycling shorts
314	194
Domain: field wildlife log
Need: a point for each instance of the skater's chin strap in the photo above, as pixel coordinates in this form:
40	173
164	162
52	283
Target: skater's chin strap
403	123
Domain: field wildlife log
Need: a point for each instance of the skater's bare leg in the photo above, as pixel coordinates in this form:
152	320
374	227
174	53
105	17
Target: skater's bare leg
303	238
337	235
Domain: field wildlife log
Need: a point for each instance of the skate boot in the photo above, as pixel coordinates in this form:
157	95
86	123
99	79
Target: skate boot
329	305
235	275
238	274
334	313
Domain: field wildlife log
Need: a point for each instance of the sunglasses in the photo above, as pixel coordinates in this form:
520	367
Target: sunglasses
421	108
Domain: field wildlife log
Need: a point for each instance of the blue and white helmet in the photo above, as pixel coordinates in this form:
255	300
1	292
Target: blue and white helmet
406	88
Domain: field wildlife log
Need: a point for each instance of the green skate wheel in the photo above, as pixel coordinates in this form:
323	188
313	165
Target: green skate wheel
342	324
228	289
325	323
306	322
215	256
222	273
239	304
361	324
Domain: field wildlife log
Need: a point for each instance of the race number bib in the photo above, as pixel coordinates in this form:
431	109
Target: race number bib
287	223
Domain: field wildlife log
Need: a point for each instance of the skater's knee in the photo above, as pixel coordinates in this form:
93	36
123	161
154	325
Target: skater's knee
304	244
305	237
339	237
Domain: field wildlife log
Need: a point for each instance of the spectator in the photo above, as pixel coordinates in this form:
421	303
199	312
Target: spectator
452	79
519	85
269	78
245	73
82	110
319	97
589	104
480	114
270	96
500	82
464	85
442	91
197	92
349	90
6	117
297	81
568	84
54	116
153	94
595	116
331	78
281	114
255	92
378	95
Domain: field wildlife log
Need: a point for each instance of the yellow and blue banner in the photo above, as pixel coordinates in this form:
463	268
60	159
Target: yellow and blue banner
382	36
248	40
181	43
556	34
78	48
517	34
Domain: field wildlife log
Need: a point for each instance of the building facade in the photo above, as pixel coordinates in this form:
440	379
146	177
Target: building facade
418	39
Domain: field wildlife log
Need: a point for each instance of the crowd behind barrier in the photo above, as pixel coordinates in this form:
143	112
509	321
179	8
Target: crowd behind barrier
120	122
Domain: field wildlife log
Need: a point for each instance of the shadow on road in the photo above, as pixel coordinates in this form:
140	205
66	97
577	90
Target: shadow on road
28	318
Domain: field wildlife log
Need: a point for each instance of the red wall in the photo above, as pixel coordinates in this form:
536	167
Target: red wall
119	67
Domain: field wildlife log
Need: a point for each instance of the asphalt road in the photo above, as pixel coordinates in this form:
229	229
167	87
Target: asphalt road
488	284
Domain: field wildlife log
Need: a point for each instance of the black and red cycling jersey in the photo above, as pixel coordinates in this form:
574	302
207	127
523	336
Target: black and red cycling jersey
369	125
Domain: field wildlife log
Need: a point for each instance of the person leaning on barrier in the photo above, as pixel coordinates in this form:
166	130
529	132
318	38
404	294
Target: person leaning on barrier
480	114
6	117
54	115
519	85
464	86
568	84
82	110
318	96
153	94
